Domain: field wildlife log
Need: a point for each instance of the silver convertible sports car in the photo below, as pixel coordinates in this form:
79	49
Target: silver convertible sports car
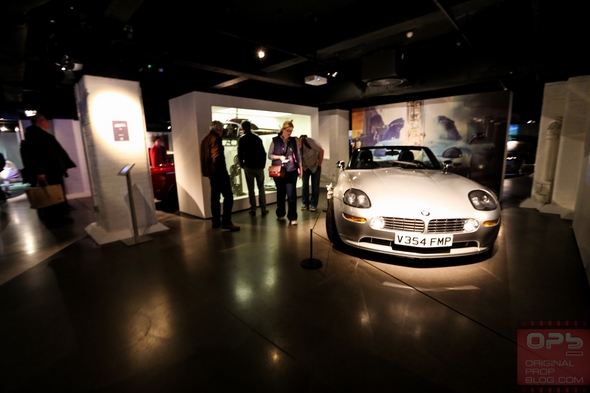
399	200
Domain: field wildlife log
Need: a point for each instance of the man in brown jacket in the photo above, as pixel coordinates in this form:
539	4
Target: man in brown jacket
213	167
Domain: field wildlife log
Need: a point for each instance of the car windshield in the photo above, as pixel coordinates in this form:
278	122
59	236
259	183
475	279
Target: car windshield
393	156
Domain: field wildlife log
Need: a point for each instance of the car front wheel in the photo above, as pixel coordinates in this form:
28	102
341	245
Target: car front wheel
331	229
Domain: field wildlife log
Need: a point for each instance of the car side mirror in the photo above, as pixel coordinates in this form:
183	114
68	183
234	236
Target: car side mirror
452	152
475	136
447	164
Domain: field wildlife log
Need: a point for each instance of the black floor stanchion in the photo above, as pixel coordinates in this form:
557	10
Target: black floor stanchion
311	262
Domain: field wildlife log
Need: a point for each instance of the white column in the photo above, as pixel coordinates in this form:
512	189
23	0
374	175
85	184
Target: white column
571	148
113	128
552	112
334	128
190	123
581	220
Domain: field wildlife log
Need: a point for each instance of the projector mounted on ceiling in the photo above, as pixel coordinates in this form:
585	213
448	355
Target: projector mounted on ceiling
315	80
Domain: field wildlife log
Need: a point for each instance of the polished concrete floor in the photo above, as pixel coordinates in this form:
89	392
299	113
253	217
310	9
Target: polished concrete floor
202	310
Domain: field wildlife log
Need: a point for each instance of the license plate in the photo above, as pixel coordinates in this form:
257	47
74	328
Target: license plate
425	241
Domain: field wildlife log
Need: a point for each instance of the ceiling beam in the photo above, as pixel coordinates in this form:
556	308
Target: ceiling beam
421	22
122	10
225	71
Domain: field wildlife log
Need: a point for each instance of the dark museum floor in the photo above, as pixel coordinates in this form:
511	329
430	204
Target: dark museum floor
201	310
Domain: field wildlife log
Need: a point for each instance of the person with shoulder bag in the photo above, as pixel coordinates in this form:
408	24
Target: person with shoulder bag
283	150
46	163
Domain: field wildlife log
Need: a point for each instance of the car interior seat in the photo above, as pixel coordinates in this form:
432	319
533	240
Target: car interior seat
365	160
406	156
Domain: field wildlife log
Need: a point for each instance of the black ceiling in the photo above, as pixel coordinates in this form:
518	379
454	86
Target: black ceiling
173	47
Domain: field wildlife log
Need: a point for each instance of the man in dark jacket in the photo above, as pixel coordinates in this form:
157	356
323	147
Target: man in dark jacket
45	160
252	158
213	167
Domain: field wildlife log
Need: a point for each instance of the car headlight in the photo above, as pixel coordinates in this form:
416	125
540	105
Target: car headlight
482	200
356	198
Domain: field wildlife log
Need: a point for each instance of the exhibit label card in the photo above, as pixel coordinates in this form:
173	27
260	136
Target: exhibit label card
120	130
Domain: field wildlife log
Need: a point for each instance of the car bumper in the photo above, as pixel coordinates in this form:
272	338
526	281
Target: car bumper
361	235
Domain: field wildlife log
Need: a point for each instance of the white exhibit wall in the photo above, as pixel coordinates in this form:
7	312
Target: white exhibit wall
69	135
10	148
552	112
581	224
334	129
186	118
581	133
571	145
562	170
113	128
191	116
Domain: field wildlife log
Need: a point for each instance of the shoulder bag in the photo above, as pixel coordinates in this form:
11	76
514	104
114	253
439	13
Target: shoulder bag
276	170
45	195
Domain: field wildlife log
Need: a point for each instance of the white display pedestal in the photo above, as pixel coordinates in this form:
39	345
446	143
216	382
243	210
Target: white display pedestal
113	130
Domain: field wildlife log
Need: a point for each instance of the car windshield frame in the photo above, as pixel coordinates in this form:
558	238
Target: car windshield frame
376	157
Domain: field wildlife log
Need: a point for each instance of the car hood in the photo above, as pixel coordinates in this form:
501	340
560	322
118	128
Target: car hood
408	192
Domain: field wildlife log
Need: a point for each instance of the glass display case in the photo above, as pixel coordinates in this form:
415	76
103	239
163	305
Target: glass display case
265	124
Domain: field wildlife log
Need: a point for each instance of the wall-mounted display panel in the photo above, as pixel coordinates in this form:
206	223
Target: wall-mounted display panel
470	130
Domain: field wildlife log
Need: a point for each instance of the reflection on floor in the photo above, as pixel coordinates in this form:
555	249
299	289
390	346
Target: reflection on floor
198	309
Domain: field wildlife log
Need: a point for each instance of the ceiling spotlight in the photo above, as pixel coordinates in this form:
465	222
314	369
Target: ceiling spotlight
386	82
315	80
261	53
410	34
69	64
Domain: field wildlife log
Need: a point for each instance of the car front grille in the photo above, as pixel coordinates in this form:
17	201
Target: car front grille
403	224
448	225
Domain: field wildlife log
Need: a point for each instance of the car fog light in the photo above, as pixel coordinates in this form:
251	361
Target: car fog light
470	225
377	223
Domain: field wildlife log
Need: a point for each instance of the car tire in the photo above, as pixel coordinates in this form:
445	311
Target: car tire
468	173
171	201
331	229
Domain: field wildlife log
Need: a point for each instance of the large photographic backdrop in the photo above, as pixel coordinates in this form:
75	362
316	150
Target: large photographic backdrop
470	130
